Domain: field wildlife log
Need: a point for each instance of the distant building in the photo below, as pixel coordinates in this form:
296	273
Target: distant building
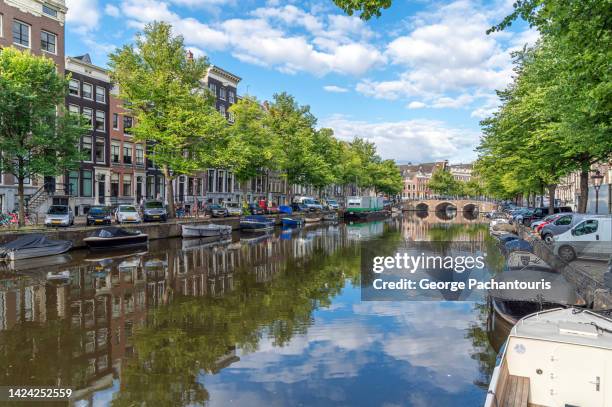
416	179
36	26
568	190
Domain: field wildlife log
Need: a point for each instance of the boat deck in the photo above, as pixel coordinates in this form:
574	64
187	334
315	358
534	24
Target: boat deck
516	392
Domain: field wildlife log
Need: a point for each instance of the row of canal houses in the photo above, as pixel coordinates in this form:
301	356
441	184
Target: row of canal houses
116	169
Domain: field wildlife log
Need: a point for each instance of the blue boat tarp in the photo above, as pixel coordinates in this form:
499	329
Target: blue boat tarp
285	209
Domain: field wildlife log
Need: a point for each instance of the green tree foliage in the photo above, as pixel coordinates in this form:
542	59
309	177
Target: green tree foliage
442	182
387	177
366	8
34	139
174	112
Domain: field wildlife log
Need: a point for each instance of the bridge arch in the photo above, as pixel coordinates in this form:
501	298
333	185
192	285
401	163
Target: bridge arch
470	211
422	207
444	206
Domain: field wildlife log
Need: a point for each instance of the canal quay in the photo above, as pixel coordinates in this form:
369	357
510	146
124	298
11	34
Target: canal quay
273	319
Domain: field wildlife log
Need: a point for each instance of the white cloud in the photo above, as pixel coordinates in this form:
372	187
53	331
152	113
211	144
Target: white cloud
335	89
417	140
112	10
266	38
448	60
83	15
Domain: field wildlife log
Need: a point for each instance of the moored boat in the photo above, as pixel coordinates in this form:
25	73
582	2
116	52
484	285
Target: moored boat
255	223
116	239
312	219
557	357
210	230
32	246
330	216
365	208
292	222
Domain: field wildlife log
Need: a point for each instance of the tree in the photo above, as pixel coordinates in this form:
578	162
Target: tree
442	182
34	139
174	112
366	8
387	178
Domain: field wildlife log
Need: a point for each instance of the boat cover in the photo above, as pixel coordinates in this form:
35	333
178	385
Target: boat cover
32	241
285	209
520	259
112	232
518	244
258	218
560	292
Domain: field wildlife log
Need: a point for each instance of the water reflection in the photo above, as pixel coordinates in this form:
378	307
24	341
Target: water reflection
272	319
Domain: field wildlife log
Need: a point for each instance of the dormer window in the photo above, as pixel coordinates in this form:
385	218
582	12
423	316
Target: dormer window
50	11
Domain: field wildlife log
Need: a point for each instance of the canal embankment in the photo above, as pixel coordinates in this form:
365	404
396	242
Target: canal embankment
587	277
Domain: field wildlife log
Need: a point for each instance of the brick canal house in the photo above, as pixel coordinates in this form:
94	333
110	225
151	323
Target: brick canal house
37	26
128	173
89	92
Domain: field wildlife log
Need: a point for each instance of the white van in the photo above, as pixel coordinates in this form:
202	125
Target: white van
590	238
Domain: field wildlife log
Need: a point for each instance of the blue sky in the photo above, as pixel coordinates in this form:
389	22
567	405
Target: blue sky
415	81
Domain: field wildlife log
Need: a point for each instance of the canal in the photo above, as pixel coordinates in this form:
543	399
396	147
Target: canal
270	320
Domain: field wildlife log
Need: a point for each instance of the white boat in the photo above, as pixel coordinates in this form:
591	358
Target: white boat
32	246
210	230
330	216
555	358
312	219
61	275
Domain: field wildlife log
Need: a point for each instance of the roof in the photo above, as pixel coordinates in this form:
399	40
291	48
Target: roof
423	167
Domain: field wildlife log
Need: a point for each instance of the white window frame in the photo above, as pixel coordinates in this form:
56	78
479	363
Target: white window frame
73	106
103	94
91	116
50	8
78	87
1	25
222	93
116	116
103	121
29	46
230	97
92	91
103	150
48	33
118	145
222	110
91	148
230	116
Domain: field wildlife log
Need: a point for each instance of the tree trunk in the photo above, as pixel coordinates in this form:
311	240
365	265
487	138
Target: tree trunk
584	190
169	192
551	198
21	193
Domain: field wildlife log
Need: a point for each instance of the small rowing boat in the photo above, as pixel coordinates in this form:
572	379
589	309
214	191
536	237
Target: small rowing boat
292	222
211	230
116	239
255	223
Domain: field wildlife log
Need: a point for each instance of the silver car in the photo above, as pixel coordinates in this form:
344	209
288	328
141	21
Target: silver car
59	215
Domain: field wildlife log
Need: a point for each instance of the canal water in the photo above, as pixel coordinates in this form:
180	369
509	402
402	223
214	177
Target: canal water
258	320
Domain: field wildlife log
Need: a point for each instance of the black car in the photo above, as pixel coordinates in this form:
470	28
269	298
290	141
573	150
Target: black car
255	209
216	211
298	207
542	212
99	215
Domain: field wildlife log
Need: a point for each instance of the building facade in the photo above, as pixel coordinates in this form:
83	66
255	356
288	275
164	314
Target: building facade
89	96
416	179
568	190
128	174
36	26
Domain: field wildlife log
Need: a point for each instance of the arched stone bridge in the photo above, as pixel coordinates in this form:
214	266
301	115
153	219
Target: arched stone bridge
441	205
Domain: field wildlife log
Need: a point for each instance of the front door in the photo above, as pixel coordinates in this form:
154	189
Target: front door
101	191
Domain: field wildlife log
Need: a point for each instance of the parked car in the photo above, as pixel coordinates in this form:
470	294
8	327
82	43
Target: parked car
298	207
127	214
256	209
233	208
560	225
541	212
518	215
313	204
332	204
535	225
154	211
590	238
99	215
216	211
59	215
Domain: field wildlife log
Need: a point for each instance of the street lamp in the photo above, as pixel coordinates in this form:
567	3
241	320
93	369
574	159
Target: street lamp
597	180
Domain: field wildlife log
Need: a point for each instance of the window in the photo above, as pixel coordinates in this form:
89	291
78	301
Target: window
74	87
230	96
88	91
586	228
48	42
220	181
100	120
139	154
115	185
222	93
127	153
74	109
231	117
73	183
1	26
564	220
100	94
211	180
127	185
115	148
100	150
222	109
86	148
87	183
115	121
128	122
213	88
49	11
88	113
21	33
